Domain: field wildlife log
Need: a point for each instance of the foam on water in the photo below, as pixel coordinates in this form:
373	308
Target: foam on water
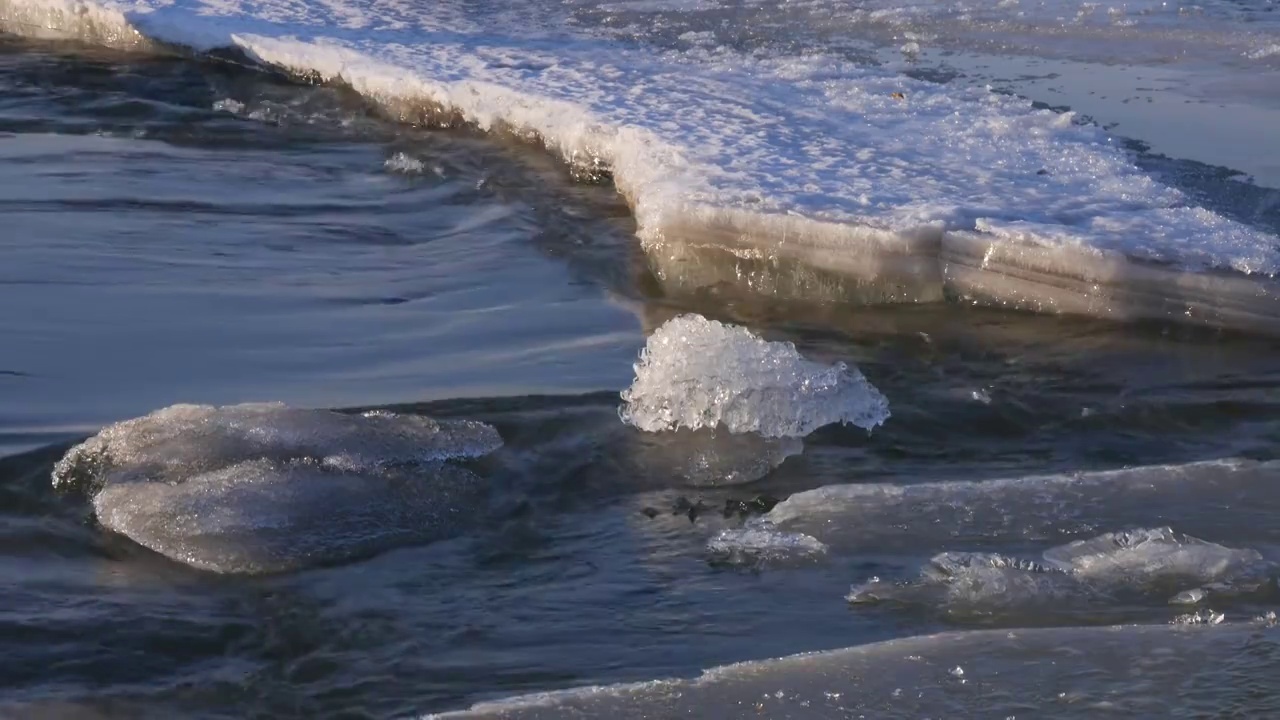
698	373
1130	671
265	488
808	156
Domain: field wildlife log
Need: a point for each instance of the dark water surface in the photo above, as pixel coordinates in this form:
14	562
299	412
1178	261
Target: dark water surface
158	250
184	232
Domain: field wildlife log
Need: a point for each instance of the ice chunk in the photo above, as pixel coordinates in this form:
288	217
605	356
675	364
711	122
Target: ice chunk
1200	617
976	581
404	164
229	105
264	487
1150	555
918	519
992	580
261	516
699	373
180	441
758	543
1188	597
1135	562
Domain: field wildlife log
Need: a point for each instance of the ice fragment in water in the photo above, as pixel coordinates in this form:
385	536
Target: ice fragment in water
1148	555
1201	617
1188	597
1080	573
259	516
404	164
699	373
229	105
265	488
174	443
988	579
758	543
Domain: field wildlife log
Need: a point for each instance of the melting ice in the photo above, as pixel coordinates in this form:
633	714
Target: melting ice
1076	673
914	519
265	488
738	404
1142	561
848	167
754	545
698	373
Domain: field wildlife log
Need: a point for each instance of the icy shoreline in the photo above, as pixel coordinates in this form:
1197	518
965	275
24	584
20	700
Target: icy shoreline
900	189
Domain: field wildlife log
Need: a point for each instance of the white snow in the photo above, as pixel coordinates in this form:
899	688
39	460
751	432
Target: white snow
709	137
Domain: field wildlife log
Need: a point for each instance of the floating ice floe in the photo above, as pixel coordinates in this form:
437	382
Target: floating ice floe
916	519
266	488
1129	563
911	521
1132	671
805	173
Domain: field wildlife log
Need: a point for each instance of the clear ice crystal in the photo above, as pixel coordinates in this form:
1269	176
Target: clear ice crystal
758	543
699	373
404	164
1200	617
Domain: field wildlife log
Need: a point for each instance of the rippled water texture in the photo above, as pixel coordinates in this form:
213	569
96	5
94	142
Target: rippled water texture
203	233
181	230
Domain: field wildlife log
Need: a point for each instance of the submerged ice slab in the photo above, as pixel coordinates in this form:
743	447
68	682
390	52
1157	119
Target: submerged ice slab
803	156
1228	499
1130	671
1155	563
265	488
260	517
698	373
1158	552
987	583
